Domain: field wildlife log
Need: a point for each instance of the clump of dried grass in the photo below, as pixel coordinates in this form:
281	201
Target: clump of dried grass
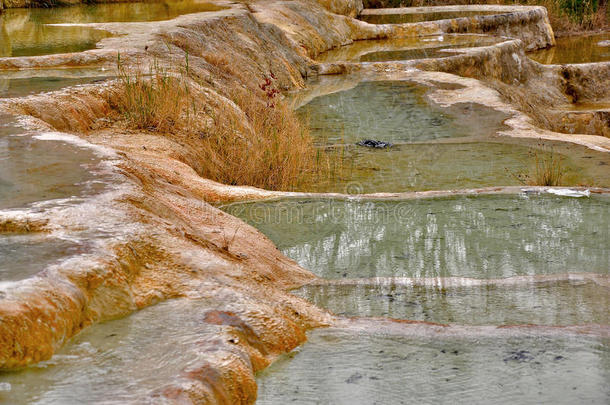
160	101
260	142
277	153
547	169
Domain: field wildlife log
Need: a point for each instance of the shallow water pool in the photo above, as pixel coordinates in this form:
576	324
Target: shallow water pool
342	367
561	302
404	48
34	170
479	236
394	111
444	166
24	32
14	86
117	362
421	17
575	49
24	255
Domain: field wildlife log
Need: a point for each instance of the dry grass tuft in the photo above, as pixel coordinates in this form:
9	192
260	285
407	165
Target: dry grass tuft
257	141
159	101
547	170
278	153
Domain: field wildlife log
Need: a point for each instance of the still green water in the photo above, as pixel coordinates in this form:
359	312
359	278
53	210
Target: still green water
447	166
478	236
24	32
434	148
343	367
393	111
550	303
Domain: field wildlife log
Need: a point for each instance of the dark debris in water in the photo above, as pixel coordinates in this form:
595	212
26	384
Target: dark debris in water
353	378
371	143
520	356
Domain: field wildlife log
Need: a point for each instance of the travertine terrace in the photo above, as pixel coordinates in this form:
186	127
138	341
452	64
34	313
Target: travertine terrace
163	235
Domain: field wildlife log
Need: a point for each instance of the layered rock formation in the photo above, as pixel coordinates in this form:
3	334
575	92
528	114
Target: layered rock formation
172	242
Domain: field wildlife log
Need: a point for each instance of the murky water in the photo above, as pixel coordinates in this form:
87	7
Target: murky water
480	237
420	17
434	148
24	32
394	111
575	49
340	367
445	166
404	48
34	169
39	172
15	86
24	255
549	303
120	361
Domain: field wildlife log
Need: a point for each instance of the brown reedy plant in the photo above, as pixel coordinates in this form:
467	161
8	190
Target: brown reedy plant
251	137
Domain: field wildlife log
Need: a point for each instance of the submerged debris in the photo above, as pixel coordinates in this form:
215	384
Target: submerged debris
519	356
370	143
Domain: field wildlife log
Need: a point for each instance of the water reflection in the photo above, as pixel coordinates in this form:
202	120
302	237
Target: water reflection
23	32
393	111
550	303
479	237
575	49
